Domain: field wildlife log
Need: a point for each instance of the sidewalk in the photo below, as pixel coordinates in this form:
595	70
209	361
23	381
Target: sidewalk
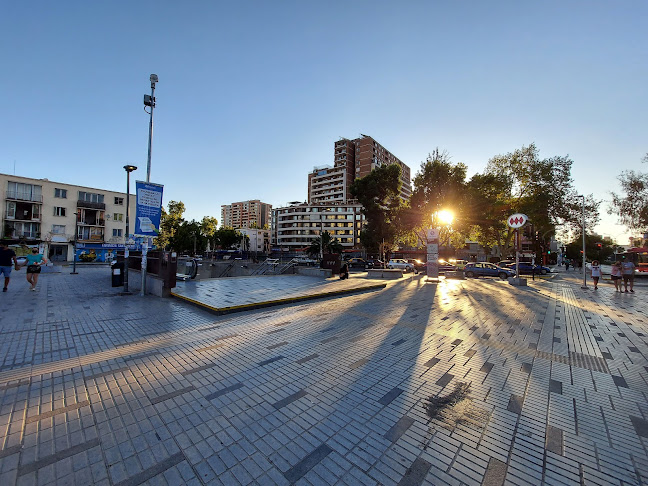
461	382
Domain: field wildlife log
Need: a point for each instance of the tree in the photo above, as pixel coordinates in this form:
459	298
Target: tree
209	227
540	188
324	243
226	238
440	185
169	223
596	247
632	205
189	238
379	194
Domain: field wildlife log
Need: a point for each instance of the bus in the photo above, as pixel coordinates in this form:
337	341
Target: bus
638	256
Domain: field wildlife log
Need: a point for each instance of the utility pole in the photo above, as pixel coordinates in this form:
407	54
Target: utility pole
148	101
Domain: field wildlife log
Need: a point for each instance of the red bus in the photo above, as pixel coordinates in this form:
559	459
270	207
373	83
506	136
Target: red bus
638	256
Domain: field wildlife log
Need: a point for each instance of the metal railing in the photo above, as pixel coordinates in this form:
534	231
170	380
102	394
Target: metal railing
268	264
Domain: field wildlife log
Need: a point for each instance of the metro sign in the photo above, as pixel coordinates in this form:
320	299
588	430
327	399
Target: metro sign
517	220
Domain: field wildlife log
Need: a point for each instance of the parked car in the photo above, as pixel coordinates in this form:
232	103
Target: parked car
375	263
483	269
357	263
419	265
527	268
460	264
400	264
504	263
445	266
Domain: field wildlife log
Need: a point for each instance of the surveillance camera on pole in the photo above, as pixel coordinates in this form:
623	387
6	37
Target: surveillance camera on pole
149	100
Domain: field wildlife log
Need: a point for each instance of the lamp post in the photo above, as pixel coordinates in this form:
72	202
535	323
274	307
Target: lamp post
584	286
148	101
76	236
128	169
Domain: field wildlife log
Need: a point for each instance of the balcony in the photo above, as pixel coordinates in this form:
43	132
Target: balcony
90	205
92	222
22	196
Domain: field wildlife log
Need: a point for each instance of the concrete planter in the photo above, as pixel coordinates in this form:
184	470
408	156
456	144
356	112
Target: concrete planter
384	273
517	281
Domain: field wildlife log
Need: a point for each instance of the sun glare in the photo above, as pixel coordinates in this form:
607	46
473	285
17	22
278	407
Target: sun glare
445	217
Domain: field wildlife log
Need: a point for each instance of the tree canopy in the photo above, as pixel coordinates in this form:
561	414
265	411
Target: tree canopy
631	206
379	194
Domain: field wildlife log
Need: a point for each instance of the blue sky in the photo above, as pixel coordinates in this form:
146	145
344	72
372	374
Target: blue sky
253	94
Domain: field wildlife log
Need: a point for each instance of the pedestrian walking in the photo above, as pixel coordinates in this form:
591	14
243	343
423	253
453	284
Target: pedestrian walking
34	262
567	265
344	271
616	276
627	270
6	257
596	273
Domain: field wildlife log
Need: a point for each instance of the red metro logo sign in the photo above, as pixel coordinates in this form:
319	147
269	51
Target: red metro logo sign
517	220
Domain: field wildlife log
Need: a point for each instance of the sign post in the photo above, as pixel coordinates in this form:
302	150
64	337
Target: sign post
432	254
516	221
147	219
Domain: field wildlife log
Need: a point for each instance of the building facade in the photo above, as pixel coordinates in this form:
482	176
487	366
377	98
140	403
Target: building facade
258	240
352	159
294	227
46	213
246	214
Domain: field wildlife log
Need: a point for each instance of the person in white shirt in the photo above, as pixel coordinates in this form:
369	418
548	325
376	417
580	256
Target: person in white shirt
596	273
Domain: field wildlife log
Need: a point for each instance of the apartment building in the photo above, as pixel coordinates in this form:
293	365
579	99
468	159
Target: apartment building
295	226
246	214
46	213
352	159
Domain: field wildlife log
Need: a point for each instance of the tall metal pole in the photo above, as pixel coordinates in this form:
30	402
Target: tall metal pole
126	255
76	236
145	242
583	267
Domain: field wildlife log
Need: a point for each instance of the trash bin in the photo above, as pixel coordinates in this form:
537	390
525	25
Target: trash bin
117	270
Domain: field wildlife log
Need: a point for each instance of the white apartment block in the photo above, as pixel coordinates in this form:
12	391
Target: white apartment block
258	239
46	213
328	185
246	214
294	227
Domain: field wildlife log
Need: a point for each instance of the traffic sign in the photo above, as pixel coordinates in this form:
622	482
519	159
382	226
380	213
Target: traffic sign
517	220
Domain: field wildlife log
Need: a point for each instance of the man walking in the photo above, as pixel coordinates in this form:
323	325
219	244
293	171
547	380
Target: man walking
6	255
627	270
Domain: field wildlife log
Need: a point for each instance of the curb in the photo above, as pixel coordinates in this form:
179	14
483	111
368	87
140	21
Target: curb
271	303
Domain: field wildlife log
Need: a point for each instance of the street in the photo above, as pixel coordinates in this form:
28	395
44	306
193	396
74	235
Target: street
461	382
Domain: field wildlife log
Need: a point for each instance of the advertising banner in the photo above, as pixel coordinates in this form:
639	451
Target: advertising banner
149	209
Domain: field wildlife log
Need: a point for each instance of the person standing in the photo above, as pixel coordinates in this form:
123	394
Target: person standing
596	273
616	276
567	265
627	270
6	256
34	262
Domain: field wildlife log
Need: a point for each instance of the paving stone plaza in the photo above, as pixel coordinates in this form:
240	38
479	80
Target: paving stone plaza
460	382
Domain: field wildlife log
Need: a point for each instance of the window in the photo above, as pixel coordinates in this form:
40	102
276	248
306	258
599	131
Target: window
91	197
58	229
118	217
58	211
62	193
117	232
119	201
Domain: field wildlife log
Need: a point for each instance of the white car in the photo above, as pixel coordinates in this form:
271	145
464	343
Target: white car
400	264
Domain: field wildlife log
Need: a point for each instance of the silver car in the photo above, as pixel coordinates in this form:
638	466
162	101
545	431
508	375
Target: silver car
400	264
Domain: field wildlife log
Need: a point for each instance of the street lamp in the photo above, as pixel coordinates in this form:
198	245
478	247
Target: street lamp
148	101
128	169
76	236
584	286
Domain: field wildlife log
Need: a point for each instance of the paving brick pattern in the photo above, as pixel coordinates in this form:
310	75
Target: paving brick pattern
102	389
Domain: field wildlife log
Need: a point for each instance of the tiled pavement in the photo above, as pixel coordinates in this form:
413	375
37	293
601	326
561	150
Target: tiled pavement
224	295
102	389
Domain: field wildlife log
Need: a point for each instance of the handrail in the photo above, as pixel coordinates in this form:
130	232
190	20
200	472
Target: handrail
227	269
288	266
266	265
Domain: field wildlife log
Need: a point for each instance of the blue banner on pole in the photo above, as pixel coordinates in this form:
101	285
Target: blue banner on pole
149	209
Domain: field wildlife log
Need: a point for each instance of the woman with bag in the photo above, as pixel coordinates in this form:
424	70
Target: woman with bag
34	262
